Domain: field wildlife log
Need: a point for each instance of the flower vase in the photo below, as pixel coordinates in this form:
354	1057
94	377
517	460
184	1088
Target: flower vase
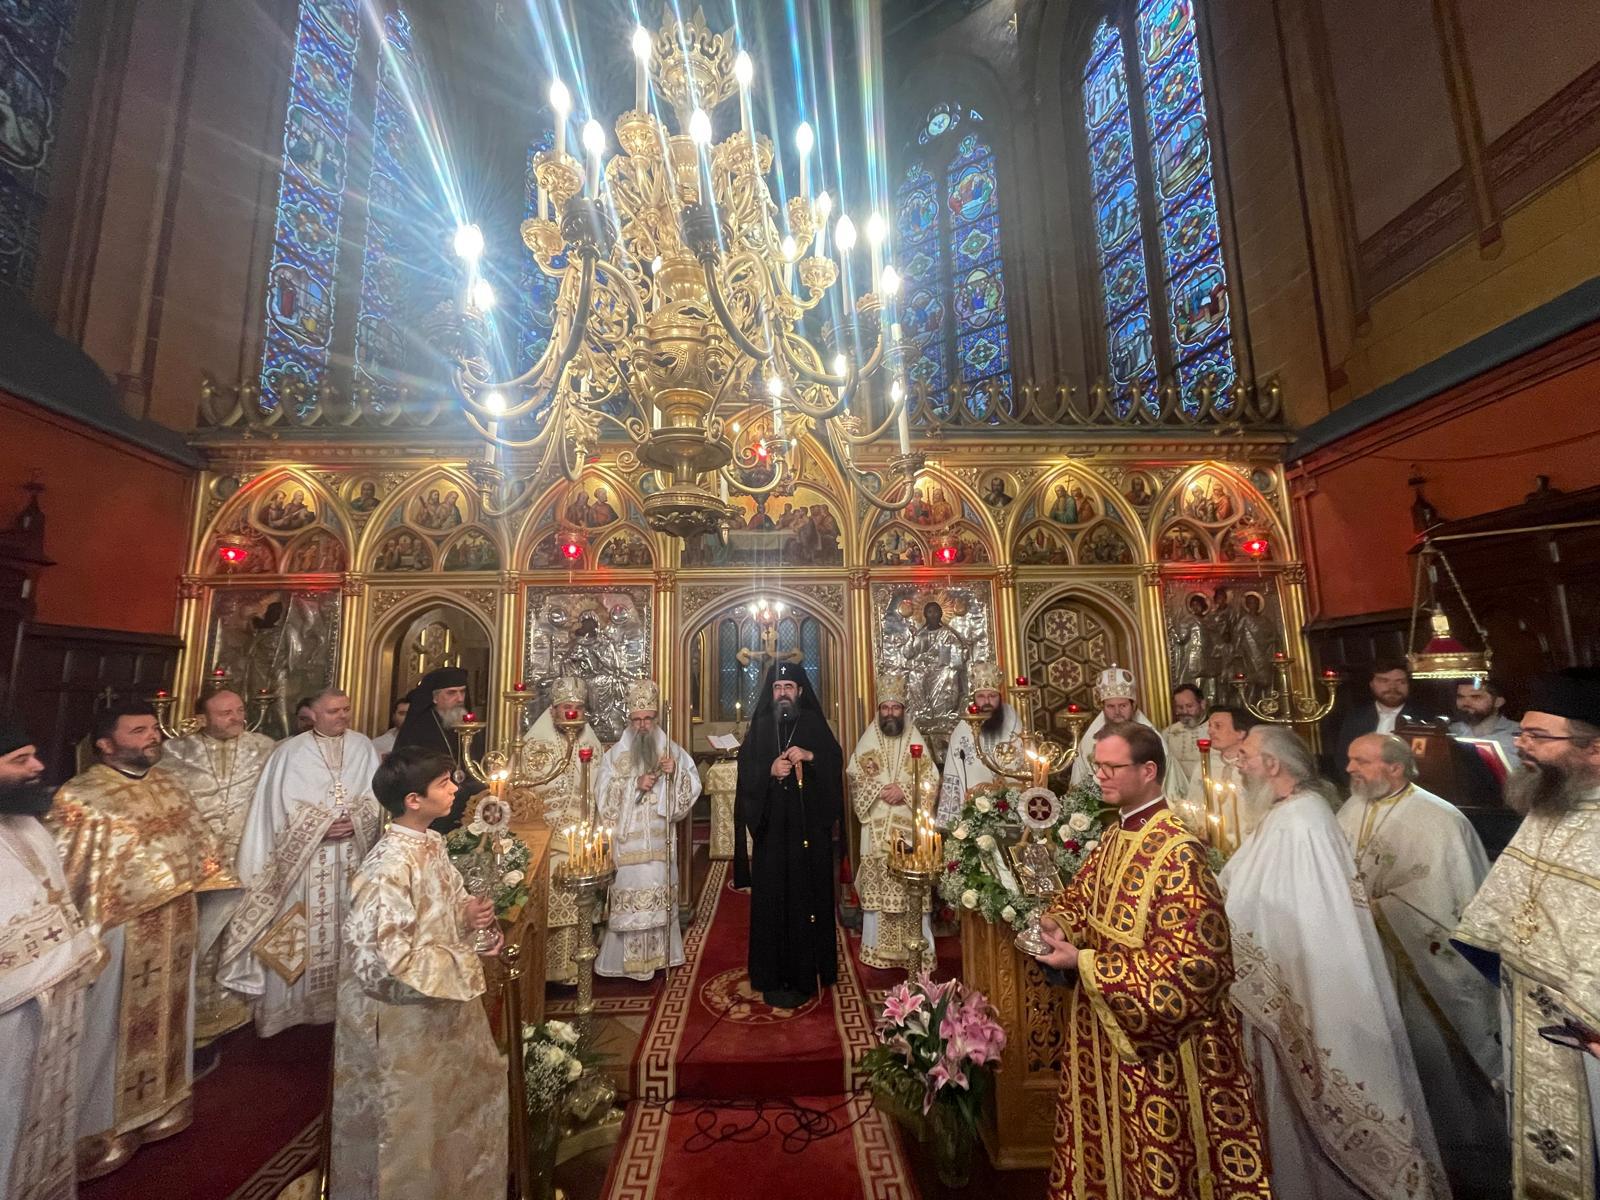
544	1139
953	1141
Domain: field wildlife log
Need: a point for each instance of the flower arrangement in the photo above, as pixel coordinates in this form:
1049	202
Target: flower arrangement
511	858
552	1063
938	1043
976	877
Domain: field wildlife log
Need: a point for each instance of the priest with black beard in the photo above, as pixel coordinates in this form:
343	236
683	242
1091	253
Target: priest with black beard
791	784
438	706
50	957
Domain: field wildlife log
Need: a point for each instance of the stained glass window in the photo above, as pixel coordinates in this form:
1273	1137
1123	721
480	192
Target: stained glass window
35	38
1161	181
300	279
391	263
953	306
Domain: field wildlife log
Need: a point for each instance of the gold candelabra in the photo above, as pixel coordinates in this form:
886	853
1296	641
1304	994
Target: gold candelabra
517	764
1223	828
683	299
918	864
1028	757
1283	705
257	705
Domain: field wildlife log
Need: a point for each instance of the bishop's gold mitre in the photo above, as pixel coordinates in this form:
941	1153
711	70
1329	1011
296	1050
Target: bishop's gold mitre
569	689
643	696
893	688
984	677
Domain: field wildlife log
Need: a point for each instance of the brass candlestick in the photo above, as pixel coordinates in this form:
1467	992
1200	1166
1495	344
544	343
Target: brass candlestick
1283	705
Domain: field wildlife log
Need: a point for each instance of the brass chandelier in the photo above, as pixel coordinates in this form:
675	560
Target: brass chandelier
682	300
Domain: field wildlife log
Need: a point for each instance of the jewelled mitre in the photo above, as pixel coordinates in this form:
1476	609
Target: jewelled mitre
643	696
1115	683
569	689
984	677
893	688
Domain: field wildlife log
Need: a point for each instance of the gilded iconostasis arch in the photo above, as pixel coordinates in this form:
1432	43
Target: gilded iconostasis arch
1073	516
601	514
944	525
284	521
1213	513
431	522
1070	634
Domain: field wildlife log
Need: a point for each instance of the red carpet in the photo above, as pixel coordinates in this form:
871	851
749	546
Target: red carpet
734	1097
256	1119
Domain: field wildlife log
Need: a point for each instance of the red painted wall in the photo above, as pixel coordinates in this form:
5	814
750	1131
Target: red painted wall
1479	445
116	520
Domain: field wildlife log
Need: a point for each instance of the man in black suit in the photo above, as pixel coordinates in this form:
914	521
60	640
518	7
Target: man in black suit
1389	682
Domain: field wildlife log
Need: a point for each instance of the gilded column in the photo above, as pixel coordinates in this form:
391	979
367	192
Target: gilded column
352	642
508	659
191	665
1154	685
671	671
1009	651
861	620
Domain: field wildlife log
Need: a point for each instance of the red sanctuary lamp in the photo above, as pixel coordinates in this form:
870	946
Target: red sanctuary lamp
1022	681
519	686
571	550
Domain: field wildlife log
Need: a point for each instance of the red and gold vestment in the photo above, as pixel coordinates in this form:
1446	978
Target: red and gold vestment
1156	1096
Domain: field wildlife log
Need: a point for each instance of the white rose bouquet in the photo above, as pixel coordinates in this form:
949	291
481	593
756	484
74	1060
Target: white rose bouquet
975	876
552	1062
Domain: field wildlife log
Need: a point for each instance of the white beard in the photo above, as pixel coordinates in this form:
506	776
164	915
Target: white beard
645	751
451	717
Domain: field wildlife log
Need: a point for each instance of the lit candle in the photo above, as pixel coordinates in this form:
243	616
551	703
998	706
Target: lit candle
897	393
744	71
824	210
877	230
641	60
594	141
561	102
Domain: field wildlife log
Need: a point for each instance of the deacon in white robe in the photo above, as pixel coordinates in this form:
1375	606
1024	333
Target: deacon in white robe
1345	1114
1115	692
647	784
220	764
419	1088
47	958
1420	862
964	768
1534	929
561	801
312	822
889	782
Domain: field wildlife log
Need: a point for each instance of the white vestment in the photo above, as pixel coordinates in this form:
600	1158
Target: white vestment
560	800
1183	755
1338	1086
47	957
964	768
888	916
384	742
282	946
221	777
1083	764
642	934
1421	863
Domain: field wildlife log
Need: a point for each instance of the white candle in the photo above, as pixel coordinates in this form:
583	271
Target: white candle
902	421
561	102
594	141
641	73
722	480
744	71
804	139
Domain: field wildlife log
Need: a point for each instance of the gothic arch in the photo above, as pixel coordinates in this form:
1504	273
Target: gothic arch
547	516
969	510
385	628
1168	510
1074	653
396	510
1035	504
245	504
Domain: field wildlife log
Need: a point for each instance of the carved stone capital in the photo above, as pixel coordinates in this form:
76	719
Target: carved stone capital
1294	572
354	585
859	580
190	587
1006	576
666	582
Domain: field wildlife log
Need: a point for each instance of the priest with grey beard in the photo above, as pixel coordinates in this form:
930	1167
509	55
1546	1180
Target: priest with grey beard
1534	930
646	785
438	706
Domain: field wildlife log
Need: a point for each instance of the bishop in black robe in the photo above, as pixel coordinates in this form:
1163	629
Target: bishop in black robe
791	784
430	722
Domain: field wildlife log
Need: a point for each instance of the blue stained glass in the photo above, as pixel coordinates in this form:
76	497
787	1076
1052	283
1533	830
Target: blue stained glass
987	398
1117	216
393	279
727	668
919	215
948	220
1176	89
300	277
980	297
977	242
1105	91
1182	152
1216	368
811	653
1199	304
985	353
1163	24
1105	37
1190	227
1125	285
1132	350
1194	274
1112	156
